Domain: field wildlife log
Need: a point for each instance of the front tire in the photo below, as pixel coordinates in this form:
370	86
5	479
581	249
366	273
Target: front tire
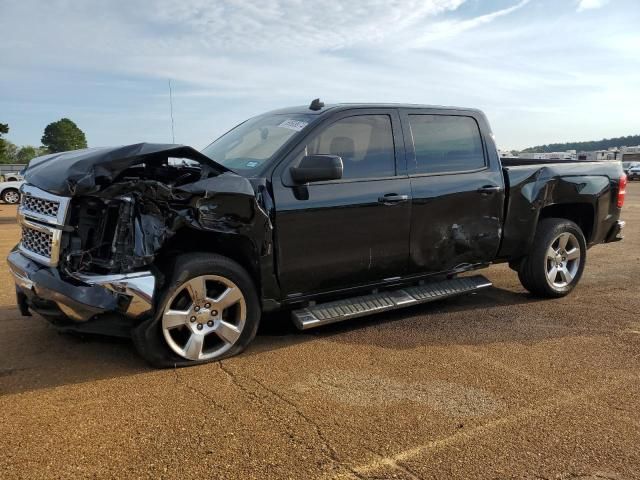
208	310
11	196
557	259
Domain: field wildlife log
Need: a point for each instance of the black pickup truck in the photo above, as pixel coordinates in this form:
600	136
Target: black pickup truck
325	212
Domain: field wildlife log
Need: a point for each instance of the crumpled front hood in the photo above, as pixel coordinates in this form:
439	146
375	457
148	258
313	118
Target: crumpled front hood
82	172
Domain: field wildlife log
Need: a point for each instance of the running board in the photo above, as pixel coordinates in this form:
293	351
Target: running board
339	310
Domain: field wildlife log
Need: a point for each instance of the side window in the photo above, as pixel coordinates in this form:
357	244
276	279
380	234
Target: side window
446	143
365	143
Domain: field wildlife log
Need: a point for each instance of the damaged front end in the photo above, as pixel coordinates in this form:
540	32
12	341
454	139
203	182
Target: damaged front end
97	225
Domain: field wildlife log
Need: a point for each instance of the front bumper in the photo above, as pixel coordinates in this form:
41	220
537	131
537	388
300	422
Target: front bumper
82	297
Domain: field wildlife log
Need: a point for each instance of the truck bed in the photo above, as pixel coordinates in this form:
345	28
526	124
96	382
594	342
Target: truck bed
538	188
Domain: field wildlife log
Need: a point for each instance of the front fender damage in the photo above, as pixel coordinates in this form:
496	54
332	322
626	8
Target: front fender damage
135	207
150	213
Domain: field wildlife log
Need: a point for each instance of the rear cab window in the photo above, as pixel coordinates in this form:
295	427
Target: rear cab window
446	144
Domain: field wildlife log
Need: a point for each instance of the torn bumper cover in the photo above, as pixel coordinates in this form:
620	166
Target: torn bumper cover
41	289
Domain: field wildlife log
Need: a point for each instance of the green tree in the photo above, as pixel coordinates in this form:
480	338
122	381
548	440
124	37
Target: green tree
8	151
4	129
26	153
63	135
604	144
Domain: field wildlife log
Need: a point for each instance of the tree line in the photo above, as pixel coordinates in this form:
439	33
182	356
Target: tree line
604	144
58	136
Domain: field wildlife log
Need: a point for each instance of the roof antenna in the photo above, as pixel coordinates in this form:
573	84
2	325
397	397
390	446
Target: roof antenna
316	104
173	135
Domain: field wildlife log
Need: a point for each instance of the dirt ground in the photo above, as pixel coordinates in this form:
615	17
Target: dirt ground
492	385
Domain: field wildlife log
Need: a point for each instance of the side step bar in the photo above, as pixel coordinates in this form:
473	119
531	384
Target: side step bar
339	310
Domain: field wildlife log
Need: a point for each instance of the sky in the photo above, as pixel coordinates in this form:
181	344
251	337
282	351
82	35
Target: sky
542	70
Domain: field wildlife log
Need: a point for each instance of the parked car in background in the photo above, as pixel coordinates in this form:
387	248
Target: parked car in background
634	172
10	192
626	166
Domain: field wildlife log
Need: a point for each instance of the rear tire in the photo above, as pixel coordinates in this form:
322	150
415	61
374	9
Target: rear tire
207	310
556	260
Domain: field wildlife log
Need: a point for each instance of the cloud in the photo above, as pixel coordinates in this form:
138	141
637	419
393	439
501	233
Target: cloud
207	43
452	28
289	25
591	4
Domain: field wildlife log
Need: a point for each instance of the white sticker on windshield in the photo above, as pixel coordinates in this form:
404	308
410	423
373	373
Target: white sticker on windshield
296	125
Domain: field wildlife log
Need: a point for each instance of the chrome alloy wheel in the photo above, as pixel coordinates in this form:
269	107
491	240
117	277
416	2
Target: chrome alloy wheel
204	318
12	197
563	260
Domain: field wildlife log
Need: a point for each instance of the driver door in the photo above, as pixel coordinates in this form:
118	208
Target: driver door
350	232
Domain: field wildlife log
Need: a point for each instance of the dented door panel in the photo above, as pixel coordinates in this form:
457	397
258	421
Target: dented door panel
457	216
453	225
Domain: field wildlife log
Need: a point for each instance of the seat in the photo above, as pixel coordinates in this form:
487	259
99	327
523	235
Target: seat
376	162
345	148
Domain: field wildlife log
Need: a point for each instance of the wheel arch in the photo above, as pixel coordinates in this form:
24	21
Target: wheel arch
237	247
582	214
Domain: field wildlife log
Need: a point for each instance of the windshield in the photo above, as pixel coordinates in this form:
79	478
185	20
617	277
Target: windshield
252	144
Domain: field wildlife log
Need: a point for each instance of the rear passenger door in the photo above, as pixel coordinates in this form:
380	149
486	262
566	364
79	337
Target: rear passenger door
457	189
350	232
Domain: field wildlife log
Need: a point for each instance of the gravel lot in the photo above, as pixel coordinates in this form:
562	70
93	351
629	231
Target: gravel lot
492	385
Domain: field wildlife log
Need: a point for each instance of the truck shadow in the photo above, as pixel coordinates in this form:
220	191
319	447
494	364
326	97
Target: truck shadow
33	355
466	320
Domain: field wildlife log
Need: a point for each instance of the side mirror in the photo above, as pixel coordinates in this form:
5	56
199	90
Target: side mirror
317	168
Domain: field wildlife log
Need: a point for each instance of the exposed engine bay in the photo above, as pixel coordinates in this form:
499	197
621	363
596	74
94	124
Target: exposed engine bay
135	199
120	228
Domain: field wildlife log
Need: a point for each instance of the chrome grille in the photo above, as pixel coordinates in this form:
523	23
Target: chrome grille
37	242
41	215
43	206
48	208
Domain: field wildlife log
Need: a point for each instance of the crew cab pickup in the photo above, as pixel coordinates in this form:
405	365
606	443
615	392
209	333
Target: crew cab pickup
324	212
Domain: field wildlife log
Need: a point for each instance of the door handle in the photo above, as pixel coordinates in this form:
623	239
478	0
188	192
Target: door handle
392	198
488	189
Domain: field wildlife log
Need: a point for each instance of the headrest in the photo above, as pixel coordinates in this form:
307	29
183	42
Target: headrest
344	147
